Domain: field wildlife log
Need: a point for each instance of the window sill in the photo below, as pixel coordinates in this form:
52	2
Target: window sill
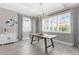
59	32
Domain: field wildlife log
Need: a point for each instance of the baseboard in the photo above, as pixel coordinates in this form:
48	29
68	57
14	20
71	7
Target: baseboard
66	43
26	38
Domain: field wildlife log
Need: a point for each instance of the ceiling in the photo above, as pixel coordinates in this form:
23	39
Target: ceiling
36	9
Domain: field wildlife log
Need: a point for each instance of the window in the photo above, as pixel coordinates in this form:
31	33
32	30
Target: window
45	24
59	23
26	24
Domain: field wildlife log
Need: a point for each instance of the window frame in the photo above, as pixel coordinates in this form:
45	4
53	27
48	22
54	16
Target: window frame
58	14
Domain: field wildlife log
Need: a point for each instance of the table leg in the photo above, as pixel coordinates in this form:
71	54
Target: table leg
32	39
52	42
45	40
38	39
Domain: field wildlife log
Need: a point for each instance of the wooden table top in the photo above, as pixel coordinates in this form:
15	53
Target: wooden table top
47	36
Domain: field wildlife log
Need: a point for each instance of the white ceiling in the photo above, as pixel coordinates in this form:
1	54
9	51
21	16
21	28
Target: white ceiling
35	9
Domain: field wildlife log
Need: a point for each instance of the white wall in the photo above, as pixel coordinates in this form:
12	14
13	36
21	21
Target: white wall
64	37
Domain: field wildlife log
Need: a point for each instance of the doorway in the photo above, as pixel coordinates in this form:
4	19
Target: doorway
26	28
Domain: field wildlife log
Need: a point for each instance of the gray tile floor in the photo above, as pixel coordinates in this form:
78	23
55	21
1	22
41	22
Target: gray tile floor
25	48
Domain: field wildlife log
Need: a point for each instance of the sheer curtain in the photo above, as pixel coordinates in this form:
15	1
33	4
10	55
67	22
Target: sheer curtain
75	26
19	26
